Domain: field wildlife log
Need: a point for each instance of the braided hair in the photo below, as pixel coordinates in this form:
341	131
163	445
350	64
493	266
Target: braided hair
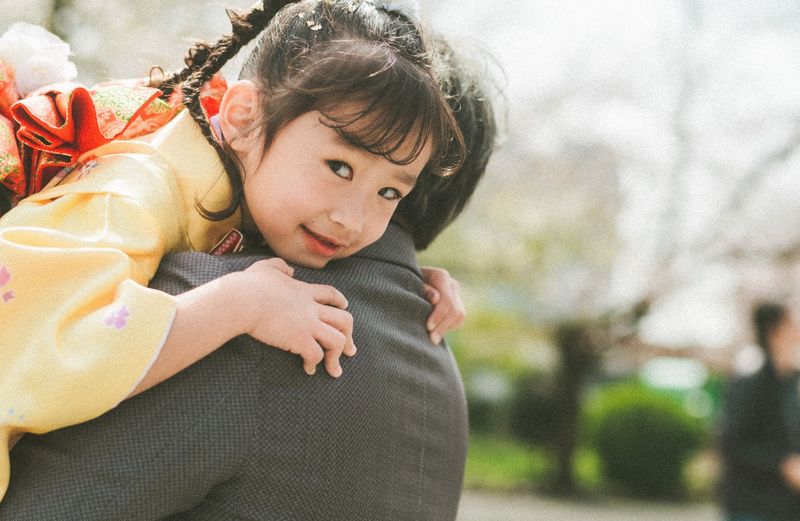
202	62
326	54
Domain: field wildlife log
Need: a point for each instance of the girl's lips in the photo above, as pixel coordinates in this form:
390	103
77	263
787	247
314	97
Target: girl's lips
319	244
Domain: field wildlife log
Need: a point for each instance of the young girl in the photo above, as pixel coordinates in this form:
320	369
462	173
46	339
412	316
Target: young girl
337	112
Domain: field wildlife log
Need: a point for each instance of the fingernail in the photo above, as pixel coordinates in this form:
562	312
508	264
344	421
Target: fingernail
337	372
436	338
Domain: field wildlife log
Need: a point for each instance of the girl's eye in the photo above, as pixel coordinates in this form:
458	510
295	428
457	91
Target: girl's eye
341	169
390	194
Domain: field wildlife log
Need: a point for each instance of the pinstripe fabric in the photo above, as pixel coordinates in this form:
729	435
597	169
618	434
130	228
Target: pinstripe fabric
245	434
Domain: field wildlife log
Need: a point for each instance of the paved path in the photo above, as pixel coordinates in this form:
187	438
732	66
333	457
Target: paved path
478	506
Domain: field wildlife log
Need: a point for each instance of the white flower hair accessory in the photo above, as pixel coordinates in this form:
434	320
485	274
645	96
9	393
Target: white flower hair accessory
36	56
407	8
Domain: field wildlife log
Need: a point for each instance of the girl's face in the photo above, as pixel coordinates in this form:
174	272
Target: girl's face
315	197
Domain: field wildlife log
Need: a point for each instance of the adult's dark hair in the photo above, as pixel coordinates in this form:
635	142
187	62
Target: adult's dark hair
326	54
766	317
436	201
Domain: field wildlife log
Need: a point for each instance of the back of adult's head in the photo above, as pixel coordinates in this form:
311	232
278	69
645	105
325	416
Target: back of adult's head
472	91
766	317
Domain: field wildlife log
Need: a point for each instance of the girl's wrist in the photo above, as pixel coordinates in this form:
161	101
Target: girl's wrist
219	306
231	300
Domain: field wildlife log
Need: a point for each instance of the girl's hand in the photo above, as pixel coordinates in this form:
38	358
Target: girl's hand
305	319
442	291
265	302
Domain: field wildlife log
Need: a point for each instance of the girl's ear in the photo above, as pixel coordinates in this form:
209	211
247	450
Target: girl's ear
238	116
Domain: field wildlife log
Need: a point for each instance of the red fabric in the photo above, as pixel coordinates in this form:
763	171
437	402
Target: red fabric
12	174
51	127
69	119
211	94
8	90
231	243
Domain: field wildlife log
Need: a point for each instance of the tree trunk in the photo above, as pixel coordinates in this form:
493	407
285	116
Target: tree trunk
578	360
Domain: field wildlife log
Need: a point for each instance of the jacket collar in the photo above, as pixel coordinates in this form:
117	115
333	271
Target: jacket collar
395	246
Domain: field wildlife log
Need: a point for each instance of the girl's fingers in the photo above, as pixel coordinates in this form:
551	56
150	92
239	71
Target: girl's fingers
431	294
309	367
441	290
350	348
438	315
327	346
278	264
342	321
312	355
444	319
328	295
453	321
332	341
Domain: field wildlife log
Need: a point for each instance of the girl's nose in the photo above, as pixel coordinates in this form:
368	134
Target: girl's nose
349	214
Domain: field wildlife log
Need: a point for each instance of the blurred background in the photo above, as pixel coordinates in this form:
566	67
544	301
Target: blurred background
645	195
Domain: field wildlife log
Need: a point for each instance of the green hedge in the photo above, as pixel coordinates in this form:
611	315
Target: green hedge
643	439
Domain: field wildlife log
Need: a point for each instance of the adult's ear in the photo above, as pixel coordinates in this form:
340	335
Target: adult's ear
238	117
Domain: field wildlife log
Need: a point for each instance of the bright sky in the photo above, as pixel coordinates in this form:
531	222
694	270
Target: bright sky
623	63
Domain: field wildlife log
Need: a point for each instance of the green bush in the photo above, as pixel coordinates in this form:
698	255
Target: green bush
643	439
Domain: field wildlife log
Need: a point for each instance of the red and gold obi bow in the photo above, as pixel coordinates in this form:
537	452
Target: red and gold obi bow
47	131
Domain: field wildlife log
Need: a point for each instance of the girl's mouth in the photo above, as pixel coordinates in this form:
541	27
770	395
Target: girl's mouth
319	244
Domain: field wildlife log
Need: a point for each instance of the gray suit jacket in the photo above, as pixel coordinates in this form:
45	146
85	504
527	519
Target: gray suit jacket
246	434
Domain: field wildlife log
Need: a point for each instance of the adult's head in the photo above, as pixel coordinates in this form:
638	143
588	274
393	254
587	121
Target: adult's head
437	201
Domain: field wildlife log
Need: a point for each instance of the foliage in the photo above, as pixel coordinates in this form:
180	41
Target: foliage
643	439
502	465
498	338
493	349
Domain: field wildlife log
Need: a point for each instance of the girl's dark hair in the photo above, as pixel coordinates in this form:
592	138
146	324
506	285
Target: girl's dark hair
326	54
766	317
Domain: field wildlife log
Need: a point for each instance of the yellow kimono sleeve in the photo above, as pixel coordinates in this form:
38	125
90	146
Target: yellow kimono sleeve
78	327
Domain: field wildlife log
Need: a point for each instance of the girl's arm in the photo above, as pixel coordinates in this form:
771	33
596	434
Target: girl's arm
442	291
80	329
265	302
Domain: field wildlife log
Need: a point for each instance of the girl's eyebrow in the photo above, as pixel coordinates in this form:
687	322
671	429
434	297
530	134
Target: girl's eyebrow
343	141
401	176
405	177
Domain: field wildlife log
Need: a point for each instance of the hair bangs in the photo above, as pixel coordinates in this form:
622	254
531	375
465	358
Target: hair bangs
398	132
379	93
394	110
